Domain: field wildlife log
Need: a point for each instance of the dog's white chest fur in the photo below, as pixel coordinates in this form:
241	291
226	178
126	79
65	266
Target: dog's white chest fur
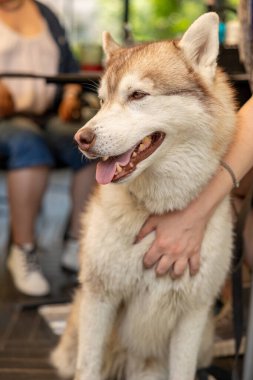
152	305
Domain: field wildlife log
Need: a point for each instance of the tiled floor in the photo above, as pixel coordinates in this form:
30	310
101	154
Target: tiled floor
25	345
25	339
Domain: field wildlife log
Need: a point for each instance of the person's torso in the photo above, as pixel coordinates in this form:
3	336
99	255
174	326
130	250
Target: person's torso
36	54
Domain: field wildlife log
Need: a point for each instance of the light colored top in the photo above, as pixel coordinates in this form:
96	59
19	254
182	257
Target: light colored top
37	54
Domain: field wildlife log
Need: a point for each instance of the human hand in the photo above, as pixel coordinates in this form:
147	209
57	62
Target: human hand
70	108
177	244
6	101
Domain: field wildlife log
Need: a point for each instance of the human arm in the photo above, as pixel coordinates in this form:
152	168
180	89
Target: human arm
6	101
70	105
179	234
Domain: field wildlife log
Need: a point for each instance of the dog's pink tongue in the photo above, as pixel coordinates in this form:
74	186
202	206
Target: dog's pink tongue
106	169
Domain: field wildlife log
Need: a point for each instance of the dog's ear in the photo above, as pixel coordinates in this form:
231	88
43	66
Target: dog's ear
109	45
200	44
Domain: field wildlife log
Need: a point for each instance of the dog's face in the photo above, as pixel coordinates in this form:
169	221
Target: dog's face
151	95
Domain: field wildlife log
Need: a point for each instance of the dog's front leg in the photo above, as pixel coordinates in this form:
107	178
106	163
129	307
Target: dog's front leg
185	343
97	314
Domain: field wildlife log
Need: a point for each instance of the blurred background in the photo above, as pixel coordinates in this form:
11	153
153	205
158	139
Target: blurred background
85	20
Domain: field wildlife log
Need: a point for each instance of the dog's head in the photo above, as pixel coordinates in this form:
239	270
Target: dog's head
149	94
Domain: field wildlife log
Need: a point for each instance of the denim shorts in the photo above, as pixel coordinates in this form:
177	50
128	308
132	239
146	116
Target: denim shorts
25	143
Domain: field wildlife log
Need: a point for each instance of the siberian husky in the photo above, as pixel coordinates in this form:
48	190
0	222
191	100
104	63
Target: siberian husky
167	117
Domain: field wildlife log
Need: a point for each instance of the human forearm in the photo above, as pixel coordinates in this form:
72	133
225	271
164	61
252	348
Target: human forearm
72	90
240	154
239	157
70	106
6	101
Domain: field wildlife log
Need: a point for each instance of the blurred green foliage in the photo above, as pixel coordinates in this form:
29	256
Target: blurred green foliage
153	19
160	19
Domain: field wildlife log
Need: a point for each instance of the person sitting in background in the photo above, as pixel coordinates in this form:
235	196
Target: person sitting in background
31	138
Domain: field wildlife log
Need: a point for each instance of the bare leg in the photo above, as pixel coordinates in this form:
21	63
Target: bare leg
83	182
25	190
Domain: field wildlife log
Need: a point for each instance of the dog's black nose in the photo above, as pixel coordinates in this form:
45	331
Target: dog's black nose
85	138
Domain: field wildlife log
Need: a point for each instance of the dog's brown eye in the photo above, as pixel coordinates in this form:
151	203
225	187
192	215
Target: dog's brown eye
137	95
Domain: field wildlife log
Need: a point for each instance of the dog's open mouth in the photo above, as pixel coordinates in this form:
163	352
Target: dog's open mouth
114	168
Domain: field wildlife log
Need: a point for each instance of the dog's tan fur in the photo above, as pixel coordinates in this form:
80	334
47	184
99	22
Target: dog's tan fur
128	321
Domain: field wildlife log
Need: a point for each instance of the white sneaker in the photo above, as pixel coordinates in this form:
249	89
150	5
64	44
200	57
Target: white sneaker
70	256
26	271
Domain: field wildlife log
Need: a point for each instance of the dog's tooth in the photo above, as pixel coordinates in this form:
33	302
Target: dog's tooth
146	141
105	158
134	154
131	165
118	168
141	147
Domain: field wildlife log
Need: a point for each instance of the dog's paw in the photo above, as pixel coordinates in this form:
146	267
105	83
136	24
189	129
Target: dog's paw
64	362
82	375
